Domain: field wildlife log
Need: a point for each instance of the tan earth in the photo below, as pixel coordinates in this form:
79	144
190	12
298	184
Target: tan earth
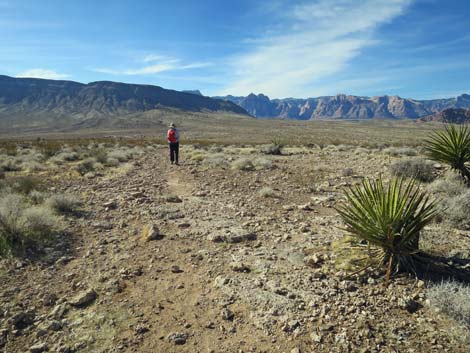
221	267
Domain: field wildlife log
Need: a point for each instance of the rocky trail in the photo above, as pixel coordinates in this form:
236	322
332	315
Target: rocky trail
190	259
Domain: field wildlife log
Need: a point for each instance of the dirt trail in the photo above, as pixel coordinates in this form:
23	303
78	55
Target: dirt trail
232	273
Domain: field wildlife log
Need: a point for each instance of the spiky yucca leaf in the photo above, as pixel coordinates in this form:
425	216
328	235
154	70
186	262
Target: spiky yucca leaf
390	218
451	146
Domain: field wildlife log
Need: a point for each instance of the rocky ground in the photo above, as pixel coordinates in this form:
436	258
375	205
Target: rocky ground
192	258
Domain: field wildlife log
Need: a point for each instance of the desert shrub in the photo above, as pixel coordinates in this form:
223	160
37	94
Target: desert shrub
86	166
68	156
99	154
449	186
343	148
24	184
10	165
33	166
19	222
275	148
262	163
39	221
121	155
417	168
266	192
243	164
64	203
452	147
452	299
49	148
112	162
198	157
361	150
389	219
400	151
216	149
215	160
37	197
456	210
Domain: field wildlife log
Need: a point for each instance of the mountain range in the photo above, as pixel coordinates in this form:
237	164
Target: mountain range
344	106
451	115
33	102
39	103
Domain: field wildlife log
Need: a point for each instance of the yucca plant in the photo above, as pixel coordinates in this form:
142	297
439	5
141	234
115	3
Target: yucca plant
451	146
389	219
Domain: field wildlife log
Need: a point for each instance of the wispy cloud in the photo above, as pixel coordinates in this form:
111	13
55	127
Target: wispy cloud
318	39
155	64
43	73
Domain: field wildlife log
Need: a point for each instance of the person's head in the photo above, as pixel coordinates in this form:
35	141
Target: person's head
172	126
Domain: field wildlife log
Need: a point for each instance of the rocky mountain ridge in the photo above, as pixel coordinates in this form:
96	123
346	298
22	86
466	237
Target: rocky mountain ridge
37	100
344	106
456	116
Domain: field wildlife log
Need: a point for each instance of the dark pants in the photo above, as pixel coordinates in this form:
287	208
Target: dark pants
174	151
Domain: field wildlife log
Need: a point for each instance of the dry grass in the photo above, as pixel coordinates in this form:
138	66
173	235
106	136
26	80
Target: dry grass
417	168
453	300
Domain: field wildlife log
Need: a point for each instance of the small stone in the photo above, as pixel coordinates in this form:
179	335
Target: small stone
176	269
22	319
151	232
173	199
83	299
316	337
239	266
38	348
295	350
227	314
410	305
178	338
111	205
141	329
59	311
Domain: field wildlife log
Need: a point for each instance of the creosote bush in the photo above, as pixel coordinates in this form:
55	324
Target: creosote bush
275	148
243	164
266	192
400	151
64	203
21	222
389	219
417	168
86	166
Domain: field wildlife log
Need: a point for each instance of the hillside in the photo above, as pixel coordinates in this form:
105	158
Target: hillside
345	106
38	102
455	116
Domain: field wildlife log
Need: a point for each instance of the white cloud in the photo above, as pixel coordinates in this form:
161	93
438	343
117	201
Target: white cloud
319	39
43	73
155	64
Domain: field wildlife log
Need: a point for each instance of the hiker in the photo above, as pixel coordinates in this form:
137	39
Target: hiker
173	137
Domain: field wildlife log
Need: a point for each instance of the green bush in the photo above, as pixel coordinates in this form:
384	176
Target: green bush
86	166
452	147
25	184
389	219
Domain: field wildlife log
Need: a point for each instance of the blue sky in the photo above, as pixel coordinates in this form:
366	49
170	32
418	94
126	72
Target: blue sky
309	48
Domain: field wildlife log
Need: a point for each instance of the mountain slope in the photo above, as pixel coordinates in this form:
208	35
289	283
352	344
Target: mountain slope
39	101
345	106
454	116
